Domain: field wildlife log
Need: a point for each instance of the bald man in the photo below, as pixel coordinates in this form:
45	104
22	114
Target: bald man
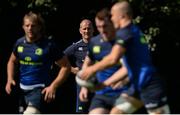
131	44
77	51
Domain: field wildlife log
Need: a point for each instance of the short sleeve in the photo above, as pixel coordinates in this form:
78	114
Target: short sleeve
69	51
55	51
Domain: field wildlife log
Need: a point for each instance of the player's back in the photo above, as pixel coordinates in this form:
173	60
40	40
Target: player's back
137	56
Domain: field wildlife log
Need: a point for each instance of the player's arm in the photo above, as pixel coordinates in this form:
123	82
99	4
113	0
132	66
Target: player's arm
69	52
63	72
87	62
74	70
61	77
83	95
119	75
111	59
11	66
118	79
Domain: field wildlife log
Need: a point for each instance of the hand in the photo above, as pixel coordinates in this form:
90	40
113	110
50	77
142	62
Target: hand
74	70
9	85
120	83
87	73
83	95
49	93
117	85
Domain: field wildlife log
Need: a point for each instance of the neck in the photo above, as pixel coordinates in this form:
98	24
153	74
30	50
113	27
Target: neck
125	23
85	40
109	38
33	39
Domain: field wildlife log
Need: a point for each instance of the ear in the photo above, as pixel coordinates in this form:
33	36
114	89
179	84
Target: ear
23	26
79	30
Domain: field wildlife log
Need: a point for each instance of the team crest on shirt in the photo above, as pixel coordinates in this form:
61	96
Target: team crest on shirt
27	58
120	41
96	49
80	49
39	51
20	49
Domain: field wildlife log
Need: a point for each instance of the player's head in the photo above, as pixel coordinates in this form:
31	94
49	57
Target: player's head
33	25
104	24
86	29
120	11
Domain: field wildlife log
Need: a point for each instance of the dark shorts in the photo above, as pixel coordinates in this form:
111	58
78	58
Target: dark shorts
82	107
102	101
34	98
153	94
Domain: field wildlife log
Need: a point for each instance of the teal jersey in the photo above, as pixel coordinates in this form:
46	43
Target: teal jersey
35	60
137	57
97	50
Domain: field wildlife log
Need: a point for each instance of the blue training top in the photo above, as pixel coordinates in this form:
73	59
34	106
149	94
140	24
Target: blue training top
97	49
137	57
78	52
35	60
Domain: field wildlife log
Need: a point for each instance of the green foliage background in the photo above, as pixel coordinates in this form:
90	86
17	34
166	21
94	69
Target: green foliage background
159	20
154	16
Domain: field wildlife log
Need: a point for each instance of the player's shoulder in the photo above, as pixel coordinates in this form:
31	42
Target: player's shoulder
96	38
21	40
50	40
125	33
78	42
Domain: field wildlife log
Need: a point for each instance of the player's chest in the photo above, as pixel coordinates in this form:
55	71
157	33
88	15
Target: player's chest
101	50
80	52
32	52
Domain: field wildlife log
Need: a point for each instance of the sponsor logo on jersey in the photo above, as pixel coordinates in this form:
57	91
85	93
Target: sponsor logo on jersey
80	49
20	49
120	41
39	51
27	58
96	49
